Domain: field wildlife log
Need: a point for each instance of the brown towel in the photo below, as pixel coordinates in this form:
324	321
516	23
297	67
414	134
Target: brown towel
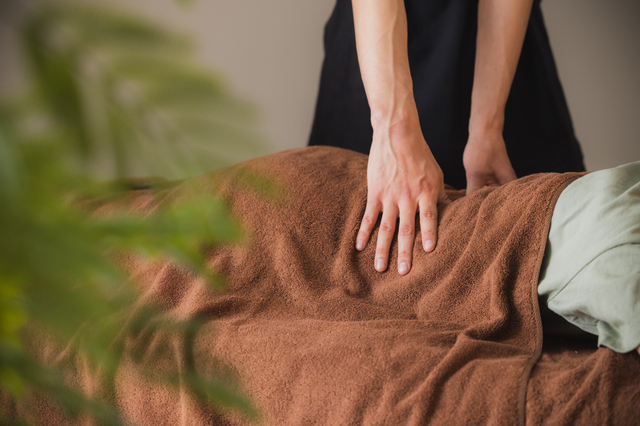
318	337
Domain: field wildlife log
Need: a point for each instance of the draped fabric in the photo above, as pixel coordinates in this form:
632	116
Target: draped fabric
318	337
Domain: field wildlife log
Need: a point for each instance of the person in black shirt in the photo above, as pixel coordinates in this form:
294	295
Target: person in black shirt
439	91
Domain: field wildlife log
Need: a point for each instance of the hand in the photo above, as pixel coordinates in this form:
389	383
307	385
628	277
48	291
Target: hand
403	177
486	161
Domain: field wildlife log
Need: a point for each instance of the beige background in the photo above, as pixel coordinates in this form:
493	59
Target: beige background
270	52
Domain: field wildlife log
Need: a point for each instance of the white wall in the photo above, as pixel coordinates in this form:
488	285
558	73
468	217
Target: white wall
270	52
597	49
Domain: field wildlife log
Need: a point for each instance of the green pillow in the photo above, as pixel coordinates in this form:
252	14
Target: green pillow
591	269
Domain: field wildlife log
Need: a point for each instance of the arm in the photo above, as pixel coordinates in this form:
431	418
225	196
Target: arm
502	25
402	175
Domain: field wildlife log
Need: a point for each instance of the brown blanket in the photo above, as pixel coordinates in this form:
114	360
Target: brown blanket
318	337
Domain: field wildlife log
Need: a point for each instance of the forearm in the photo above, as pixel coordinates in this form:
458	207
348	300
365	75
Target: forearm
381	40
402	176
502	25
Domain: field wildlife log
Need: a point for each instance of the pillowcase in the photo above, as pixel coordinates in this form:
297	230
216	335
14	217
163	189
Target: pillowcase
590	273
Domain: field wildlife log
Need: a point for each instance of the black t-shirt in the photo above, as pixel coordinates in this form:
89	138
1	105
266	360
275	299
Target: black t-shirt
441	45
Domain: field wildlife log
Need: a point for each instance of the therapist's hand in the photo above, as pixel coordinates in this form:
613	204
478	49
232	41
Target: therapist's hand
502	25
403	178
486	162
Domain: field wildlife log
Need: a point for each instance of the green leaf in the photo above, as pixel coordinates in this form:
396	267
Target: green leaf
112	96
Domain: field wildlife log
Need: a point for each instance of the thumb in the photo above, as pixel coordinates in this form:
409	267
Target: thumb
475	181
506	175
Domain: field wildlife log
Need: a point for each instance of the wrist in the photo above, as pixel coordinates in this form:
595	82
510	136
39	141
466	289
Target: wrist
398	124
486	127
397	134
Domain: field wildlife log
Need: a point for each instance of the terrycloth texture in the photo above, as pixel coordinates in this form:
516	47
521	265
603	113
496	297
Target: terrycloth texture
573	383
591	270
318	337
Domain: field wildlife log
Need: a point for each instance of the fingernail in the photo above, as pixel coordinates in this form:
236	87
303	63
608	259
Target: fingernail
359	245
380	265
429	245
404	268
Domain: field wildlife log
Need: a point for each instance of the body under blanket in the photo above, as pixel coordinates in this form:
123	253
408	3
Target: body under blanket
318	337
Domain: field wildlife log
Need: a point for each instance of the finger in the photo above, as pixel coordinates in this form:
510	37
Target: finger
475	181
385	236
366	226
428	223
406	238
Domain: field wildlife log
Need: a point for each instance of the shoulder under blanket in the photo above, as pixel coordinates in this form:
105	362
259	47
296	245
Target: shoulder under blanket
318	337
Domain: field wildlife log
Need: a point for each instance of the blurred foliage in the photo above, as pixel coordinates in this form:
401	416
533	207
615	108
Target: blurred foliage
128	90
112	96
